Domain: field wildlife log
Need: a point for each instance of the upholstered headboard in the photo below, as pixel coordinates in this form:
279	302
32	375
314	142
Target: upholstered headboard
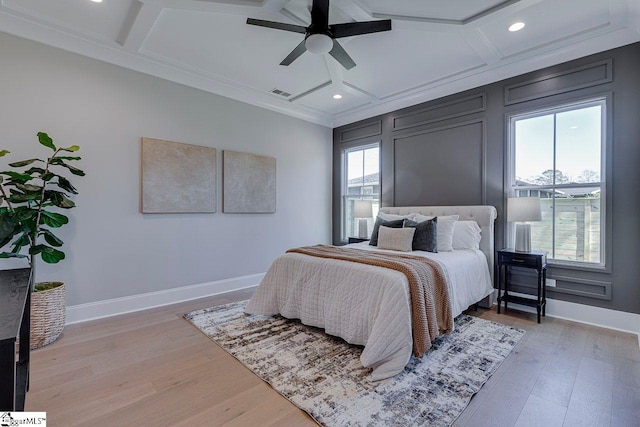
484	215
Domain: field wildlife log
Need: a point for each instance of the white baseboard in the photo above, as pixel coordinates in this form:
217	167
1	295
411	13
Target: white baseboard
587	314
596	316
112	307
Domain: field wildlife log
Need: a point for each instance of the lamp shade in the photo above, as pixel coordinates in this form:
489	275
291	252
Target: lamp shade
362	209
523	209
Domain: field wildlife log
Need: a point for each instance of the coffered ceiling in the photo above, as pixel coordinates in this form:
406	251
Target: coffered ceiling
436	47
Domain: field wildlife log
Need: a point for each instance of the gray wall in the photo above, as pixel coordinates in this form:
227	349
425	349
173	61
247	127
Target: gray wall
452	151
112	249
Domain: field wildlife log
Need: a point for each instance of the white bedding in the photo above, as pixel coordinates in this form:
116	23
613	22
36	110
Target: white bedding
364	304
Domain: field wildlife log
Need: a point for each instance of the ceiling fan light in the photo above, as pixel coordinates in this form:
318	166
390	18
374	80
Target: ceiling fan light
318	43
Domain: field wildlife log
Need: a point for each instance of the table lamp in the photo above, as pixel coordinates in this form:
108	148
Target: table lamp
521	210
362	209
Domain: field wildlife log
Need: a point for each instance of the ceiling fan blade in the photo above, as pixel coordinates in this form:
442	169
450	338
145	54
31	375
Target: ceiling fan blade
340	55
295	53
319	15
277	25
359	28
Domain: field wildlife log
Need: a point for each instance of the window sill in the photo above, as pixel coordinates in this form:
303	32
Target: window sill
596	268
568	265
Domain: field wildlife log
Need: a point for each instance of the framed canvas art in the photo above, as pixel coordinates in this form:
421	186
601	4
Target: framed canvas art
249	183
177	177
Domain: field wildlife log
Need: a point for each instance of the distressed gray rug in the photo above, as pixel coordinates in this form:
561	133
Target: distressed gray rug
322	374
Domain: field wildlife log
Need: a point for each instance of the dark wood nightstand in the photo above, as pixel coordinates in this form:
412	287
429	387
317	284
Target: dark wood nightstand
357	240
536	260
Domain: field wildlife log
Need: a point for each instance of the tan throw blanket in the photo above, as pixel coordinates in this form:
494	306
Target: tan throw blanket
430	305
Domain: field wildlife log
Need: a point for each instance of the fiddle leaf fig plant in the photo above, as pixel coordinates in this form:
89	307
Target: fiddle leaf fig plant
28	196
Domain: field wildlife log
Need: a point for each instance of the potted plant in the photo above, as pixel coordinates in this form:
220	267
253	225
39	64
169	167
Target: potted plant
28	197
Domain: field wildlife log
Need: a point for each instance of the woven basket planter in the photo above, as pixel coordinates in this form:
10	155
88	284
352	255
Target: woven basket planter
48	315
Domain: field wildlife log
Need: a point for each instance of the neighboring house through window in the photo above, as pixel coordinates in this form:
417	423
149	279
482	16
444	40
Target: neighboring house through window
558	155
360	181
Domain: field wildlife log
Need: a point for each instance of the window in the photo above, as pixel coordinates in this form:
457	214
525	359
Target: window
558	155
360	181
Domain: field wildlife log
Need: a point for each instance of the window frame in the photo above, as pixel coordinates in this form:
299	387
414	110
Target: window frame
344	184
604	101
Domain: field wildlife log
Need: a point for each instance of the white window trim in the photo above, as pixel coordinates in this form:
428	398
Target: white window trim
511	119
344	185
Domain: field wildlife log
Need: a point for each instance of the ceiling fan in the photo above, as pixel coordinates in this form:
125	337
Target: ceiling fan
320	37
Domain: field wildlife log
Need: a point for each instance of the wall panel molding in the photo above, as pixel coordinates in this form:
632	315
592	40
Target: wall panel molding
367	130
599	289
482	159
583	287
437	113
576	78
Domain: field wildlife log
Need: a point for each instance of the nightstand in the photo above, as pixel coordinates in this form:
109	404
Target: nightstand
536	260
357	240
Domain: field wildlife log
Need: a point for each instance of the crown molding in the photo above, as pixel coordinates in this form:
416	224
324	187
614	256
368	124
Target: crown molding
623	28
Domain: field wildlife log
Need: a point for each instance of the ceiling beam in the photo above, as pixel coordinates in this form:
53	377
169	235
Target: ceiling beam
274	6
427	24
423	26
310	91
490	14
299	20
238	7
357	91
490	11
335	69
354	9
138	24
475	38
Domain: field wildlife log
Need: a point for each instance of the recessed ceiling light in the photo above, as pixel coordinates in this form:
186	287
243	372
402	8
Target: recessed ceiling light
97	1
516	26
337	96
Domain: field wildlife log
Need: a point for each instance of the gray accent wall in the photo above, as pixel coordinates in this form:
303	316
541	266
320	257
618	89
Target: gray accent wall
453	151
112	249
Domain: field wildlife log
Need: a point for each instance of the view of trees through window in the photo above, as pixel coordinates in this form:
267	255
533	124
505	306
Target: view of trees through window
362	166
558	158
547	177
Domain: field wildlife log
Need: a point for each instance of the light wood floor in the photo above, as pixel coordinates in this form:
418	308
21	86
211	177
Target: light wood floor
153	368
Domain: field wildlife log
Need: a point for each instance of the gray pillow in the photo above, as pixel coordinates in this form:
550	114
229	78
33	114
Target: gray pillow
396	239
426	235
376	227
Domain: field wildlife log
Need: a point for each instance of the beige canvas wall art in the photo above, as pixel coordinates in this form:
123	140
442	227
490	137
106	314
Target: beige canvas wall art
249	183
177	177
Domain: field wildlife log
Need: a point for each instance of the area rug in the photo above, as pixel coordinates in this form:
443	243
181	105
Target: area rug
322	375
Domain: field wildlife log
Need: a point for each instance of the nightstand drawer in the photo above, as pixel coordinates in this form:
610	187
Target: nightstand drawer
523	260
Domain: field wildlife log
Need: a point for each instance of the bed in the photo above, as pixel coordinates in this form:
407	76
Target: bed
369	305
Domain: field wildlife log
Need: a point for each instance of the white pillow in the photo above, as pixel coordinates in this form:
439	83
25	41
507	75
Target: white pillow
396	239
392	217
446	225
466	235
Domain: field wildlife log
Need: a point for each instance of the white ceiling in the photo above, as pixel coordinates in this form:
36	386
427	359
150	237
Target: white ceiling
436	47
